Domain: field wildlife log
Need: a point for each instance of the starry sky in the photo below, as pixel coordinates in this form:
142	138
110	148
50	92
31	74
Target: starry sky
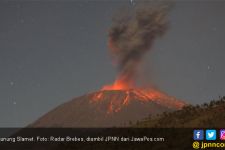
51	52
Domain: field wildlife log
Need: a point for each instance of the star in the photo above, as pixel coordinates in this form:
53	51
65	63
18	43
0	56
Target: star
214	28
21	20
11	83
14	103
208	67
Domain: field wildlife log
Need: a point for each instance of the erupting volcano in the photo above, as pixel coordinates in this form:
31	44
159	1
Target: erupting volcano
131	92
109	108
130	38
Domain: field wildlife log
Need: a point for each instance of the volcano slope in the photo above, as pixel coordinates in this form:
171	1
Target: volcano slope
109	108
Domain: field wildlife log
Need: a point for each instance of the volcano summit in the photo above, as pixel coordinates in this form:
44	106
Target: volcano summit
109	108
130	37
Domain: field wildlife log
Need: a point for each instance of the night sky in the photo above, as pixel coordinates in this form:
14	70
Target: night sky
51	52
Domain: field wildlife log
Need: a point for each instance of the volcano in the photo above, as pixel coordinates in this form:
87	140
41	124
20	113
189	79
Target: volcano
129	38
109	108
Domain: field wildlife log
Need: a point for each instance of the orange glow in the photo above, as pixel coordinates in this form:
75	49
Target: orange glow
119	84
126	100
116	86
133	93
117	101
98	96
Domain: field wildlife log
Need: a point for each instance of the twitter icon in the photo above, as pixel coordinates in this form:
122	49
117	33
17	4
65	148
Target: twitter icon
210	135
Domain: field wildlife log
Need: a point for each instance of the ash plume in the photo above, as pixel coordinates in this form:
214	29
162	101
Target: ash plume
131	36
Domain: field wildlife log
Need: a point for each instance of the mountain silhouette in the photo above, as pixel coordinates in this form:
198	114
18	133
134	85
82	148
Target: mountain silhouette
109	108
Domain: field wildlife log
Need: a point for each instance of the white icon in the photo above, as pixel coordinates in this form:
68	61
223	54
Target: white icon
198	135
210	134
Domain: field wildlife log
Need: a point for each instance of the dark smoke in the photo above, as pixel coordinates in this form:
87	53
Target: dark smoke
131	36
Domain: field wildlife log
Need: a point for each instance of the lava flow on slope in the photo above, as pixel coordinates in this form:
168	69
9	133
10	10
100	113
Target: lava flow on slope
135	93
109	108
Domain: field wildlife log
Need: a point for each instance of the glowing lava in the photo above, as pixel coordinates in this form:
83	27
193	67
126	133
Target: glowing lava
119	84
128	94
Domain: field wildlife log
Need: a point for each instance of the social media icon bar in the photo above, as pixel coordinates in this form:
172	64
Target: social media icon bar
210	135
222	134
198	135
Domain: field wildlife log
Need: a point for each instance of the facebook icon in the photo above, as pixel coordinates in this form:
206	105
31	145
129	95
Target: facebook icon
198	135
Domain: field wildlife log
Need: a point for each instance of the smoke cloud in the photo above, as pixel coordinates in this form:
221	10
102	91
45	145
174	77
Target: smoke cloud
132	35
